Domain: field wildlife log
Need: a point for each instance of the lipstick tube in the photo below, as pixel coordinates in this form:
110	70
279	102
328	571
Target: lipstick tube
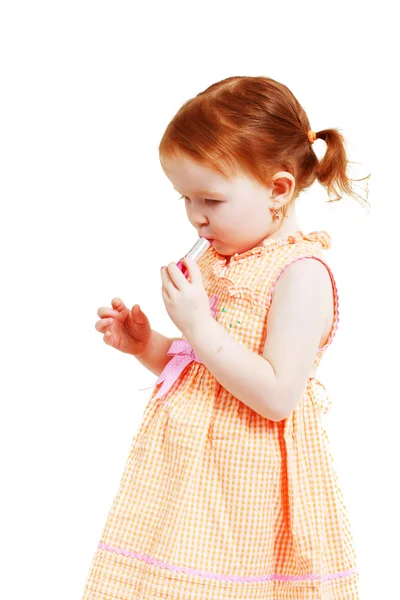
194	253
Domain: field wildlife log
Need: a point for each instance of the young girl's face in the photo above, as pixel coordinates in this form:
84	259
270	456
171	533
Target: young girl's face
234	213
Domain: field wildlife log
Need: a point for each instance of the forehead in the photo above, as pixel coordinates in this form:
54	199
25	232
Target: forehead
193	179
186	173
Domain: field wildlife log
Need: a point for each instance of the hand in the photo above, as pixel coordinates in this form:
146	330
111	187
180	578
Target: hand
186	301
126	330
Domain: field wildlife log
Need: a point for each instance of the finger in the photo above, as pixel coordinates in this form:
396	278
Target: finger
167	284
165	294
176	276
103	324
105	311
166	278
193	269
117	304
138	315
165	288
107	338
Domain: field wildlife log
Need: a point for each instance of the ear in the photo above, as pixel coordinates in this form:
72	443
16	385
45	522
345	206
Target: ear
283	187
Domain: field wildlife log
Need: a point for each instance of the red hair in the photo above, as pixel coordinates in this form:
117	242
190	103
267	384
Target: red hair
257	125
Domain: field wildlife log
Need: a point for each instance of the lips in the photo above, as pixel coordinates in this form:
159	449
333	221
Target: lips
210	240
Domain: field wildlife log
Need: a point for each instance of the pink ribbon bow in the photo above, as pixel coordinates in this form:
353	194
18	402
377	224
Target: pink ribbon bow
183	354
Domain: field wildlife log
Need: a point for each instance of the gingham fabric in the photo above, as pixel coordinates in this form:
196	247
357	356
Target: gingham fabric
217	502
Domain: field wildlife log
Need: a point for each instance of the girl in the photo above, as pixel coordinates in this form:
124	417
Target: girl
230	491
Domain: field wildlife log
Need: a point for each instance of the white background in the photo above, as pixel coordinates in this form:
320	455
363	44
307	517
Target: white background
87	90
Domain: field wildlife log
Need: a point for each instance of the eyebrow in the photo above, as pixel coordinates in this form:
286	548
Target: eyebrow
204	193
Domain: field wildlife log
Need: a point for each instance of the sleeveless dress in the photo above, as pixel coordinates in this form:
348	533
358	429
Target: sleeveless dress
217	502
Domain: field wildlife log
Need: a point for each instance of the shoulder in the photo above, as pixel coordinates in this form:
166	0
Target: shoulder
307	275
303	288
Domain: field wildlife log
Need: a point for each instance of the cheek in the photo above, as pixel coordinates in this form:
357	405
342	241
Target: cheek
254	216
230	215
237	220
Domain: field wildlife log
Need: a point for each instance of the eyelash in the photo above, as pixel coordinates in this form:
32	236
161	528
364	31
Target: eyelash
207	200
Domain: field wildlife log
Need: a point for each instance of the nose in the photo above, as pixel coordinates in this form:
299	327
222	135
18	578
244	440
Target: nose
197	217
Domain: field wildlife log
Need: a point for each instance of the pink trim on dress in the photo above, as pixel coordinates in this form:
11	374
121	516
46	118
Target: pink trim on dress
190	571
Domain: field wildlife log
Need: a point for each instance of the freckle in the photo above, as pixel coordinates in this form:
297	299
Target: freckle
231	325
224	310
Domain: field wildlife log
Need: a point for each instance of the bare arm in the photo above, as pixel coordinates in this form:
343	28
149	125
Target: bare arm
245	374
155	358
272	383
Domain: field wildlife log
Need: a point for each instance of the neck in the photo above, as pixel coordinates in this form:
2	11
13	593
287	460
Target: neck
286	226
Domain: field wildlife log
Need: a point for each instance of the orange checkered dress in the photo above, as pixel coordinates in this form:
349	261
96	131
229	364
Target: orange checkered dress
217	502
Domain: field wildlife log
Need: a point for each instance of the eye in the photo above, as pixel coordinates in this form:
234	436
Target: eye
207	200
